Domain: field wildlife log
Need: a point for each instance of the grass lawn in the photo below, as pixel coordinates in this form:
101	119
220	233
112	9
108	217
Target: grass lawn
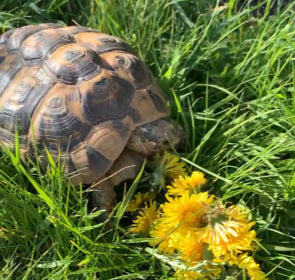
229	72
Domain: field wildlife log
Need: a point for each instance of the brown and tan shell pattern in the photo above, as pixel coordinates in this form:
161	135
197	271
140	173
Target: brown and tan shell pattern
75	90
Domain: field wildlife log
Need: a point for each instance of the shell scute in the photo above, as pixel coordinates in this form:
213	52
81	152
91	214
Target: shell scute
18	35
90	165
20	100
106	97
102	43
43	43
109	138
8	69
73	63
15	37
56	124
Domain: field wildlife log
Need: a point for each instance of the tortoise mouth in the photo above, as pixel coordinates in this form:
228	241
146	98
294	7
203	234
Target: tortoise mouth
156	136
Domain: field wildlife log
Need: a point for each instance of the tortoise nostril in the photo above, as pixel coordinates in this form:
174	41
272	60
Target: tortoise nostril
166	143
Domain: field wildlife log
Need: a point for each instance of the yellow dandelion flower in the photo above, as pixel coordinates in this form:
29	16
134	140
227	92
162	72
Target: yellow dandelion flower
212	271
248	262
145	218
189	275
189	243
177	218
184	240
256	274
197	179
178	187
161	237
228	232
191	183
173	166
166	167
138	201
209	271
186	210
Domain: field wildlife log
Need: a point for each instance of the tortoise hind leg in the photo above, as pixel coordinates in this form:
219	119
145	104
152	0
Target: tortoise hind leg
125	167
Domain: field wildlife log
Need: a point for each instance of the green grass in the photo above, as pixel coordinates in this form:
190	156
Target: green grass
231	81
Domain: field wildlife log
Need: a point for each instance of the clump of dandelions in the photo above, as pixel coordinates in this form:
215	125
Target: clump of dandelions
196	228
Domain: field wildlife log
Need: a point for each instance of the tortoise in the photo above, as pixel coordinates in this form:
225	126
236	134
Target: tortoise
87	99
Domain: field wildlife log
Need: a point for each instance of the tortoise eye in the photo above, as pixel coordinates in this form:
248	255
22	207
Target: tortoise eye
120	60
123	61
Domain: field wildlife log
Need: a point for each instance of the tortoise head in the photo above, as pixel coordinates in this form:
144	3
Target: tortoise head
156	136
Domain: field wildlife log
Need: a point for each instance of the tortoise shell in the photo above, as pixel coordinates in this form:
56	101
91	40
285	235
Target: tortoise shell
76	91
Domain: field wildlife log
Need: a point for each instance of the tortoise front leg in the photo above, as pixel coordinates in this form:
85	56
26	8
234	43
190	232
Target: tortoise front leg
126	167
